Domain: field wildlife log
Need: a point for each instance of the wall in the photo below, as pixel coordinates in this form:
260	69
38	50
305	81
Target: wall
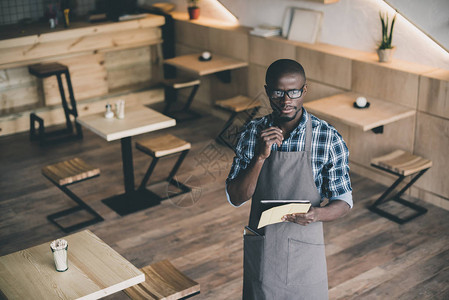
348	23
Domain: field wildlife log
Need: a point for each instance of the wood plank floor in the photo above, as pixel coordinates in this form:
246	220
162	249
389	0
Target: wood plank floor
368	257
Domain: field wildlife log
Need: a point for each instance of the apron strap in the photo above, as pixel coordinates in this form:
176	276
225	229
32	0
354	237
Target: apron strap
308	140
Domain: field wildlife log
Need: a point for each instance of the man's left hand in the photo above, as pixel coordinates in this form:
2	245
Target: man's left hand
303	219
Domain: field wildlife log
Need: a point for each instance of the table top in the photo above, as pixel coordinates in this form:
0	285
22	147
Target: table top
138	119
340	107
191	63
95	270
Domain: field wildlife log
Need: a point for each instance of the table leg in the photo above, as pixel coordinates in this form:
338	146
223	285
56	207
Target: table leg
128	168
132	200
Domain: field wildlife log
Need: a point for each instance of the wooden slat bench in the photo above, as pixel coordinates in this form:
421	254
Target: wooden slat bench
163	281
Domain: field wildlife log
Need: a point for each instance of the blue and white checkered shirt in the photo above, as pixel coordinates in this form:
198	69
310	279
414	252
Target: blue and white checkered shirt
329	154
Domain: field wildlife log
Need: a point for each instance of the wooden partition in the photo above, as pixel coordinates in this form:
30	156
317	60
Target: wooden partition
105	61
332	70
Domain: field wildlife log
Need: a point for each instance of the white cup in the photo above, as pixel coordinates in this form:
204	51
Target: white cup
59	249
361	101
120	109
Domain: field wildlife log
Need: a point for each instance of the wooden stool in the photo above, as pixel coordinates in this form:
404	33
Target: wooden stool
171	88
163	281
163	146
402	164
69	172
236	105
44	71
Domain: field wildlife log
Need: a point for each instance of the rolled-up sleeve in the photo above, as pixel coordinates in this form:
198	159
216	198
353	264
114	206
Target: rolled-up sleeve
336	180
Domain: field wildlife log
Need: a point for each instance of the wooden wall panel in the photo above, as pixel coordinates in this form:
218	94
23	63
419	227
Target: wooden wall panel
88	77
86	44
18	88
128	67
434	93
324	67
191	34
375	80
231	43
264	51
256	79
238	85
318	90
432	142
366	145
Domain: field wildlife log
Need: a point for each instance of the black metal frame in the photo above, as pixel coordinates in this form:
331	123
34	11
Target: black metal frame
45	137
81	206
171	96
170	179
419	210
228	123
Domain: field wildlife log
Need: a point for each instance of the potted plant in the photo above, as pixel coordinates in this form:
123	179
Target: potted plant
193	8
385	50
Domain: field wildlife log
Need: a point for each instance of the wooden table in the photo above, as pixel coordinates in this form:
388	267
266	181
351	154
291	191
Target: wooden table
218	64
340	107
138	119
95	270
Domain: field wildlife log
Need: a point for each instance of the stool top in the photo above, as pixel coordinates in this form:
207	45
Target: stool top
238	103
162	145
70	171
179	83
47	69
163	281
402	162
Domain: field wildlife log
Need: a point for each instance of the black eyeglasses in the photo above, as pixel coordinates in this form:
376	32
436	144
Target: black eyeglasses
279	94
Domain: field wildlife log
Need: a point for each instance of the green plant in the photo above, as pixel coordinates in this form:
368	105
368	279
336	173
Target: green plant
193	3
387	35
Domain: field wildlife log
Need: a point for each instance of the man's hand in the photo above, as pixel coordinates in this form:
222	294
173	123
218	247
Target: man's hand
303	219
268	137
332	211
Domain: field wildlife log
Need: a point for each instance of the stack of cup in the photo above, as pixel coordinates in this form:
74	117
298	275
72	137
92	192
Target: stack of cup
120	109
59	249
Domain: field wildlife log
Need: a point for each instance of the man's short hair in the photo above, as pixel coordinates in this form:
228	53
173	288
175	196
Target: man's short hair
282	67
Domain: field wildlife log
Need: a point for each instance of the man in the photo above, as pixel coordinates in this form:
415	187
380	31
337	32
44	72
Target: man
289	155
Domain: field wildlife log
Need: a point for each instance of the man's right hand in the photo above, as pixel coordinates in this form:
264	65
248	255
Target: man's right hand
268	137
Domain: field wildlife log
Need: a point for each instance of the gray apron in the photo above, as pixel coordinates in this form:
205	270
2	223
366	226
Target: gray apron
287	261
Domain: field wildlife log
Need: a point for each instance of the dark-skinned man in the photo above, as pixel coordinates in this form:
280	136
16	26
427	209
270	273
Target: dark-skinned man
289	155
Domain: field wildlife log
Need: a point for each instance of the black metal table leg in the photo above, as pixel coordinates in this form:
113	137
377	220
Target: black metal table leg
132	200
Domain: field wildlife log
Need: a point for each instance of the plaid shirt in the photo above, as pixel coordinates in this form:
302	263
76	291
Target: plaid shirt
329	154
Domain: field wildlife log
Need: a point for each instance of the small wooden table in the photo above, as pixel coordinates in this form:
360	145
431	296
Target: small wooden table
95	270
219	65
138	119
340	107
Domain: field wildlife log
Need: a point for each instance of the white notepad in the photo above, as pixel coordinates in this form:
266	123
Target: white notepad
275	214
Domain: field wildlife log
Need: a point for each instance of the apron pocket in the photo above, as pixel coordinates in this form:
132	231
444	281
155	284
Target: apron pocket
306	263
253	256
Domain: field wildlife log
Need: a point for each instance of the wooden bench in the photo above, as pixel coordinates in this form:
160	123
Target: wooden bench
66	173
402	164
44	71
164	146
236	105
171	88
163	281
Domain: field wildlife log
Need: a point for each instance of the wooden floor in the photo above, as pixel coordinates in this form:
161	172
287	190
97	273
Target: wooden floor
368	257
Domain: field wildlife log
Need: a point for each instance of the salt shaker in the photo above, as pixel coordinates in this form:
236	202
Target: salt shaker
108	114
